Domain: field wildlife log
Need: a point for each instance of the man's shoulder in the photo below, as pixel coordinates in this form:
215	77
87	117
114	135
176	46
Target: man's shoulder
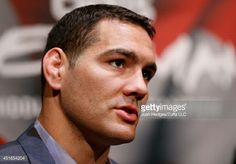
12	152
29	145
11	148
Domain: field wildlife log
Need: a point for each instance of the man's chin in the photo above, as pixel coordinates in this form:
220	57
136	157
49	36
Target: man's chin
122	141
123	137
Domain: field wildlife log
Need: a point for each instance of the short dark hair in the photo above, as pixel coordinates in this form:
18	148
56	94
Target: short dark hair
74	32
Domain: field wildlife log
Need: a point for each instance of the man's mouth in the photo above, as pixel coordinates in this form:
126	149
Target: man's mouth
128	113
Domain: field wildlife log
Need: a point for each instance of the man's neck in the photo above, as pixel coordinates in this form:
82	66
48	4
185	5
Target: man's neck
71	139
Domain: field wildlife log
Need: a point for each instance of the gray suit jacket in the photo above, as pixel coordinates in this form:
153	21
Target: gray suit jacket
29	145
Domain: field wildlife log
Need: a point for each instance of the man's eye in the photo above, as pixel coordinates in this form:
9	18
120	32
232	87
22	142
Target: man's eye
147	75
117	63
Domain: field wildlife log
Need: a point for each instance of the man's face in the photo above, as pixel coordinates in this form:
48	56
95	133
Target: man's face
101	93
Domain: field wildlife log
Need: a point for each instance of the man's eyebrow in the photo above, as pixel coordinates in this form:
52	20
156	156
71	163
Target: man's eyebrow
131	55
127	53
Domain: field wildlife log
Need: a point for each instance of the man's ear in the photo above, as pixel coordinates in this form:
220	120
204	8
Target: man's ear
54	67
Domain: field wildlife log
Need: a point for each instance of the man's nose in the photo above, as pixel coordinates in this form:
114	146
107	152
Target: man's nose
136	86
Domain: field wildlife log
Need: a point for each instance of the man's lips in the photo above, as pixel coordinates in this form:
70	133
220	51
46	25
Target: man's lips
128	113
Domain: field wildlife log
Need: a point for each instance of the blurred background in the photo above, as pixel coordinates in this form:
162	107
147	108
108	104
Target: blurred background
195	46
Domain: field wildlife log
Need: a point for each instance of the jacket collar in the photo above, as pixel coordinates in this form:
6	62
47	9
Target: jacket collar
34	147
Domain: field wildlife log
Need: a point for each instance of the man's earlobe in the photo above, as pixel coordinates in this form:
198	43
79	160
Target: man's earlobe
54	64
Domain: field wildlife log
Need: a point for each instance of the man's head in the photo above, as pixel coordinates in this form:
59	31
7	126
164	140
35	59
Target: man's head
97	64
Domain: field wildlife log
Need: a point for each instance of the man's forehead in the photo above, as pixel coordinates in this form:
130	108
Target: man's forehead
113	35
108	22
111	29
